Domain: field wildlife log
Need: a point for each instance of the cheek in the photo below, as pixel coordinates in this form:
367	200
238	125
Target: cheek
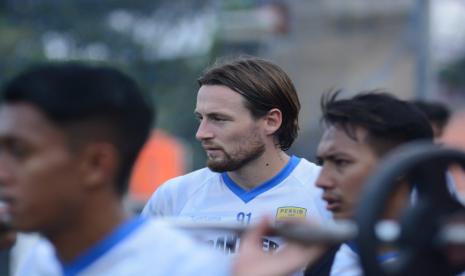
247	142
355	182
46	191
48	180
233	139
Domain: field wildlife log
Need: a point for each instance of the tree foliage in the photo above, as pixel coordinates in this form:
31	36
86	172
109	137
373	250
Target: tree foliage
33	31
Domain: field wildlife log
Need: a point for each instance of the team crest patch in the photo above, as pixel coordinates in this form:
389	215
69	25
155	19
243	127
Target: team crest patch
290	212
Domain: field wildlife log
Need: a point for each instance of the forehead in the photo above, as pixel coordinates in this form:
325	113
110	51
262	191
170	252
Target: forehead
336	140
219	99
25	121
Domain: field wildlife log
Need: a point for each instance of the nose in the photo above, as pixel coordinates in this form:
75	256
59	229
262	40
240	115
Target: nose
203	131
324	180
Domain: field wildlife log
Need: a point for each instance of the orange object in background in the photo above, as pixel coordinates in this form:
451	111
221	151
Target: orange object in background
163	157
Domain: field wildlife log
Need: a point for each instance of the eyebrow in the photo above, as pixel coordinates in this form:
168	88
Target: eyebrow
9	140
6	138
332	155
213	114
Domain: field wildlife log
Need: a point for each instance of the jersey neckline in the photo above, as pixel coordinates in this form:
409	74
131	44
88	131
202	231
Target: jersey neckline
102	247
386	256
247	196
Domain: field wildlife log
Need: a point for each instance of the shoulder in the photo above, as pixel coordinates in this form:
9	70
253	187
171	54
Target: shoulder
40	259
305	174
190	181
302	186
307	169
171	197
169	246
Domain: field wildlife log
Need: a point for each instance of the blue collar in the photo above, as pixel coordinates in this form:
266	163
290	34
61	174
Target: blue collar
102	247
247	196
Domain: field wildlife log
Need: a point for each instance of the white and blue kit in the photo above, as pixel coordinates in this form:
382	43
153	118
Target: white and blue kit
347	261
137	247
204	195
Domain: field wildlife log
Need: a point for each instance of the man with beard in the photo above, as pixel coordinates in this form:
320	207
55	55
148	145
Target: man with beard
248	117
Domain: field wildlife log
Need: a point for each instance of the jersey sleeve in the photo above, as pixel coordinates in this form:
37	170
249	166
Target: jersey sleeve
40	261
161	203
173	195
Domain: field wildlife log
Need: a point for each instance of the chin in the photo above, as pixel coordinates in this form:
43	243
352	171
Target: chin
219	168
339	216
23	224
225	164
22	227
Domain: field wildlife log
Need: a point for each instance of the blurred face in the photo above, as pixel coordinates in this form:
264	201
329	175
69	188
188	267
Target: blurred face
229	134
346	164
38	178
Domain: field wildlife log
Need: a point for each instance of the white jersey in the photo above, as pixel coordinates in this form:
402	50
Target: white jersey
204	195
347	260
138	247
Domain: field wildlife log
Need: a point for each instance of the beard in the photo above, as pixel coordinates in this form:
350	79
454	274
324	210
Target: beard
244	154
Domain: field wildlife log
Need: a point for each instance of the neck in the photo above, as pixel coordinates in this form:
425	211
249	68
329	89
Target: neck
260	170
84	231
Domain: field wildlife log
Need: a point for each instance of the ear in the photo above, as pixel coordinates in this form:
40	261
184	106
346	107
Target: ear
99	164
273	120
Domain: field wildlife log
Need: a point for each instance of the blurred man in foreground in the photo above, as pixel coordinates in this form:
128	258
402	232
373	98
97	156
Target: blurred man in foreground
69	135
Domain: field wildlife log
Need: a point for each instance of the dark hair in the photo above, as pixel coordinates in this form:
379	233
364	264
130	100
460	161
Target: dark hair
436	112
73	93
264	86
388	120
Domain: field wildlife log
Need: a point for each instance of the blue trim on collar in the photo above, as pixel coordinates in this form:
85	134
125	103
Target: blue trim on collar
102	247
247	196
387	256
381	258
353	246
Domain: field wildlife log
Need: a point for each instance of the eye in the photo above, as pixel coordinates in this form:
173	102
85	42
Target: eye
319	161
218	119
15	149
341	162
18	150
